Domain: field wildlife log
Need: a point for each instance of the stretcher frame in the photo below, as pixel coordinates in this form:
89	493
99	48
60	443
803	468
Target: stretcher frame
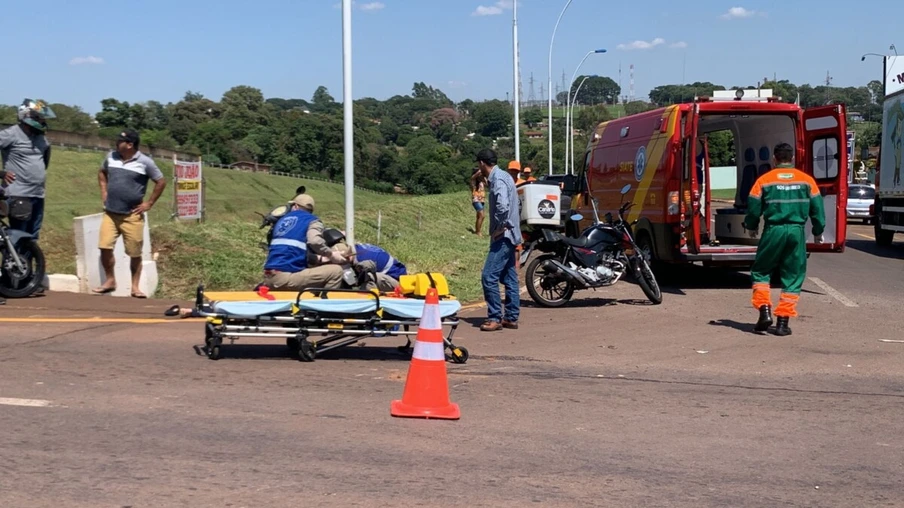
298	328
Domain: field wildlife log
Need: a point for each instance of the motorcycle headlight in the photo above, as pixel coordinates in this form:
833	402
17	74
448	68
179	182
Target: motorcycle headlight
4	208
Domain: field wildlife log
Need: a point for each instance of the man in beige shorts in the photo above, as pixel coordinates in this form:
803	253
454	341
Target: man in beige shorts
123	180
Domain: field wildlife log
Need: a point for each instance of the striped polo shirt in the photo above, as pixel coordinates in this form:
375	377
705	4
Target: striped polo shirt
127	180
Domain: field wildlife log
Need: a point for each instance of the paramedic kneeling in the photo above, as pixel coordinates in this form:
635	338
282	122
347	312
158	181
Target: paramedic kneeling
786	197
297	231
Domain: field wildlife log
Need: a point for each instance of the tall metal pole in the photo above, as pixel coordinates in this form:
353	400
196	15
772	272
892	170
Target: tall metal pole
517	84
348	138
549	74
571	116
568	104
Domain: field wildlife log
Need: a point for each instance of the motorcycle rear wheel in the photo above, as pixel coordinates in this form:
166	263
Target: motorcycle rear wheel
26	283
560	292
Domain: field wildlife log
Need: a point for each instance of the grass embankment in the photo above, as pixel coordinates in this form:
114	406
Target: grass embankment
223	252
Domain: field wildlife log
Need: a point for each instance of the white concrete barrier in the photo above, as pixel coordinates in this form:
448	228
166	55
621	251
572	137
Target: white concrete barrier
62	283
91	272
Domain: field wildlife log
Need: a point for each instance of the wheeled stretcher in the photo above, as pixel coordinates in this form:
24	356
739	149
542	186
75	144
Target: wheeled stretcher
316	320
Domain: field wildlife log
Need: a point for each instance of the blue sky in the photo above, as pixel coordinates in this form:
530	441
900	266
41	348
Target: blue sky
81	52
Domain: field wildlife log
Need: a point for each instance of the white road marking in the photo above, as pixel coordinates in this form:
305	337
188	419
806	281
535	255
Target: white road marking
24	402
834	293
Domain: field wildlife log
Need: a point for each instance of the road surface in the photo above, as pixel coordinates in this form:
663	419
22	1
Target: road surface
607	402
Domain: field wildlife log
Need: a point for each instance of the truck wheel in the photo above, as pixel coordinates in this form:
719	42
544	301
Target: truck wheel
884	237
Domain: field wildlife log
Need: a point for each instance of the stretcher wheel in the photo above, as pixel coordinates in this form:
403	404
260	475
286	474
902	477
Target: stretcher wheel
306	351
212	339
459	354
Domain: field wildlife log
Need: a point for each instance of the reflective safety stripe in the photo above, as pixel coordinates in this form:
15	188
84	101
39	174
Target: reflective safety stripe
429	351
291	243
430	319
388	266
787	200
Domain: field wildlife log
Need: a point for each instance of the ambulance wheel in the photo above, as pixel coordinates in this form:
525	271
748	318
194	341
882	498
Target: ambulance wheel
459	354
306	351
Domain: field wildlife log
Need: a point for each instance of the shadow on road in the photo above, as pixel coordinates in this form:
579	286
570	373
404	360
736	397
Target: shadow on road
896	251
735	325
678	279
357	351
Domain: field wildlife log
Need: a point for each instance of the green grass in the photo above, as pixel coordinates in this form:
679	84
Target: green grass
223	252
723	193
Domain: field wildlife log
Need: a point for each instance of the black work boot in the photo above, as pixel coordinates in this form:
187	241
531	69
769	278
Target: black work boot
765	320
782	329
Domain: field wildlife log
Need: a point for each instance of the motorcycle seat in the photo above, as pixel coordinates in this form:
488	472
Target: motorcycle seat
575	242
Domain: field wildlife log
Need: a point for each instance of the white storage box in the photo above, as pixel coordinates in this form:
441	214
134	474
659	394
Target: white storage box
540	203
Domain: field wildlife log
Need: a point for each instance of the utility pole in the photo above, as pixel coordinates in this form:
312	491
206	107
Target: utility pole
517	79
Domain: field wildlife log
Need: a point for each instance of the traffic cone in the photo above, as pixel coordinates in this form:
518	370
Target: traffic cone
426	392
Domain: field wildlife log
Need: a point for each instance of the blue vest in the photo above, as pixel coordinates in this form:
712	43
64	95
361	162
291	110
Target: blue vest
289	249
384	261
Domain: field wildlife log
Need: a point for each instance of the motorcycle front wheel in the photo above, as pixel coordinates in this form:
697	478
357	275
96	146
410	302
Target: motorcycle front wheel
16	283
544	288
647	281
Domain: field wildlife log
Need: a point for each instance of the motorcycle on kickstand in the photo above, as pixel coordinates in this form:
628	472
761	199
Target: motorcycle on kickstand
21	259
599	257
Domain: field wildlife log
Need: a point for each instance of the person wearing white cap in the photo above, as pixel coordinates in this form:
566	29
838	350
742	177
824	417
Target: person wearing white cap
294	235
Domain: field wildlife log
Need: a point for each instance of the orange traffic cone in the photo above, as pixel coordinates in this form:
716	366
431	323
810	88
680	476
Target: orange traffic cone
426	392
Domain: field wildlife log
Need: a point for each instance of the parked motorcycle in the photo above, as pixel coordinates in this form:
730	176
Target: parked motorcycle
597	258
21	259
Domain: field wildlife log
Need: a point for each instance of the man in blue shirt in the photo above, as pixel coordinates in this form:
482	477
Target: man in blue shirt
505	236
294	235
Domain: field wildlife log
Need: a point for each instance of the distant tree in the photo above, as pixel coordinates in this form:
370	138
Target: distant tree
533	116
635	107
494	118
71	119
322	101
596	90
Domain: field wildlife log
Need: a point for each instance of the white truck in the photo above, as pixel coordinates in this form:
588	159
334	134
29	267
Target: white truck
888	208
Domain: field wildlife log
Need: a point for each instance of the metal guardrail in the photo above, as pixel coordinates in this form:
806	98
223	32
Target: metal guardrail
222	166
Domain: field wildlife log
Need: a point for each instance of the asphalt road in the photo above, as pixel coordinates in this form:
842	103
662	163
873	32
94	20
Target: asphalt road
607	402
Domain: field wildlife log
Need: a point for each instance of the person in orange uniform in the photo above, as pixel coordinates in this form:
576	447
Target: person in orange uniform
786	197
526	176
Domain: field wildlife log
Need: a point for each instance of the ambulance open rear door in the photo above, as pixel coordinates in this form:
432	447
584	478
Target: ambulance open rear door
826	160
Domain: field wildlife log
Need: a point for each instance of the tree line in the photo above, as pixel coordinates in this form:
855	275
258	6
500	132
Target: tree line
423	142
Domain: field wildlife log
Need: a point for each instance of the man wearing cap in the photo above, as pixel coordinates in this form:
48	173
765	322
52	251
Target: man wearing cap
123	180
526	174
505	235
26	155
296	235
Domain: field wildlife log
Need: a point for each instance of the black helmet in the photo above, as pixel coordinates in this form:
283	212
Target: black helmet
332	236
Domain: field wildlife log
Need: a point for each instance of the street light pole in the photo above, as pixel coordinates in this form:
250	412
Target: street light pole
568	104
517	84
571	116
549	85
348	138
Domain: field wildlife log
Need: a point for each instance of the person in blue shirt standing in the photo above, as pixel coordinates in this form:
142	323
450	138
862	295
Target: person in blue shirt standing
294	235
505	236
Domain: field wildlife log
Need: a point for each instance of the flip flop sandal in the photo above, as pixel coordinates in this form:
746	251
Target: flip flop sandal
103	291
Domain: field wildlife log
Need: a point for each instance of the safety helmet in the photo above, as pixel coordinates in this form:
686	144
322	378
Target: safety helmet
332	236
35	114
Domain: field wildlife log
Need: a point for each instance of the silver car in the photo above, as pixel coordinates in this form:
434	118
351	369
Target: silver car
860	197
